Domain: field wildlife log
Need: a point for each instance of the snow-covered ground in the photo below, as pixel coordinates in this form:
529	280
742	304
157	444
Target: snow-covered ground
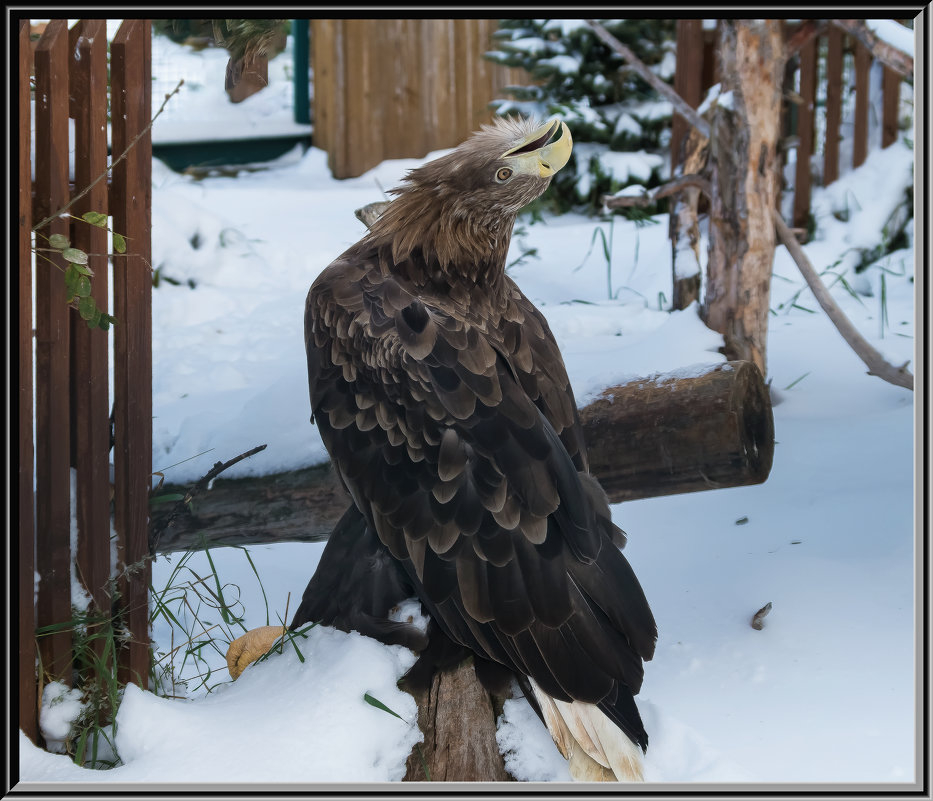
824	693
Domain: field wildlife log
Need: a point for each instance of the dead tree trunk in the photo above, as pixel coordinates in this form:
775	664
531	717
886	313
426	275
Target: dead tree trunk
685	225
743	161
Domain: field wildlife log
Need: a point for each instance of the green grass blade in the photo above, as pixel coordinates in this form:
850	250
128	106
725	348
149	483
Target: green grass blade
379	705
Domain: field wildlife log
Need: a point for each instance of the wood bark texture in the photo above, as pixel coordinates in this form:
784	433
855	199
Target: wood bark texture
458	719
655	436
743	159
685	225
667	435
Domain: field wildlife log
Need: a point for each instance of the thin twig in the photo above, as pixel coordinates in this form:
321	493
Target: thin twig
668	189
681	106
155	533
876	363
104	174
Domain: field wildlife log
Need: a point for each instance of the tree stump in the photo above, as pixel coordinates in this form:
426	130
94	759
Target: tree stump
458	719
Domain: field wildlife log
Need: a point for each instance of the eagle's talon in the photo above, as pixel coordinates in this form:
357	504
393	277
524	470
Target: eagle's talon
246	649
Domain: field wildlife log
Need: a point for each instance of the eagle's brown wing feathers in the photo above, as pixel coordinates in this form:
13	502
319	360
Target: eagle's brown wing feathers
455	432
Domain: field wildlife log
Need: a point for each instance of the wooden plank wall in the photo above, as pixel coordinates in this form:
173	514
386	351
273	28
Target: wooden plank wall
72	418
400	88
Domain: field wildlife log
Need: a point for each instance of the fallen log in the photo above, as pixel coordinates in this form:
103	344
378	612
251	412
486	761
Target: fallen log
677	433
680	432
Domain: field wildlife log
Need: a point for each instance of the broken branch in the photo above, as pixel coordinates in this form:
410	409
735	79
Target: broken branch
681	106
156	529
648	198
876	363
886	53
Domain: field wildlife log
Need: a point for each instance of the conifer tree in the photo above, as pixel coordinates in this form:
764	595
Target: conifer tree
609	110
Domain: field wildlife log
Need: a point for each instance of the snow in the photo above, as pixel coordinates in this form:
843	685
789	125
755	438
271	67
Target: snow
200	113
61	706
894	33
565	65
824	693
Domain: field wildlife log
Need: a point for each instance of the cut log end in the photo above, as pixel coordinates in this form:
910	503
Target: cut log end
674	434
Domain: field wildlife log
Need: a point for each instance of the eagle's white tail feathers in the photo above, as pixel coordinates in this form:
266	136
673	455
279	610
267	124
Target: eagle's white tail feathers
596	749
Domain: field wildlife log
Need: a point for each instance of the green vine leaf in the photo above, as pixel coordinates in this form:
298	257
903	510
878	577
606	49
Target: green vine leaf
75	256
83	270
87	308
119	243
59	241
95	218
83	286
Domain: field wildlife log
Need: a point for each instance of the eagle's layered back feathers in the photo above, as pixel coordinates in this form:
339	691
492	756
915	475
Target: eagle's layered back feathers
441	395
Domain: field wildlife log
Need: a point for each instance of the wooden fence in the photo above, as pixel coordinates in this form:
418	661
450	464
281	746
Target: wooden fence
400	88
63	363
818	65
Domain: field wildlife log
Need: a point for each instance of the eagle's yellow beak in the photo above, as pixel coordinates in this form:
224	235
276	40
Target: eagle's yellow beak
542	152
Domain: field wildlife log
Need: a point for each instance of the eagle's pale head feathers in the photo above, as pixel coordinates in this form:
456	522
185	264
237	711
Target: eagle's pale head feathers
459	209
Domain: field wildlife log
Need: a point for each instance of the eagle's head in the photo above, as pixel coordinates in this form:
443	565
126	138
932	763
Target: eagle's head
498	170
459	209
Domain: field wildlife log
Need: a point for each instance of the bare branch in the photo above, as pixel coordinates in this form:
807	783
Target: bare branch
681	106
104	174
668	189
202	484
877	364
886	53
806	32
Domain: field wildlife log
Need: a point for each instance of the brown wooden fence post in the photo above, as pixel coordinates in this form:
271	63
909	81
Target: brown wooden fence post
833	105
26	530
805	133
891	89
687	79
53	477
860	137
90	413
131	204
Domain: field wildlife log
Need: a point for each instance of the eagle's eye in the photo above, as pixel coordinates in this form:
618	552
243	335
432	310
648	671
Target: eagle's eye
503	174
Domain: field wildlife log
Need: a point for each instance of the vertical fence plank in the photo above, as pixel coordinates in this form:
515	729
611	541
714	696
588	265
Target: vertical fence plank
805	133
53	478
90	414
325	66
363	109
26	530
860	137
687	78
891	100
833	104
132	288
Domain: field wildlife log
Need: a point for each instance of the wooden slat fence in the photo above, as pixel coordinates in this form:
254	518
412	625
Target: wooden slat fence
71	386
819	71
400	88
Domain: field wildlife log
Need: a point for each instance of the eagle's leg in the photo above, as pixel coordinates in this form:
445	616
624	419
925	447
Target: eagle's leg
355	587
